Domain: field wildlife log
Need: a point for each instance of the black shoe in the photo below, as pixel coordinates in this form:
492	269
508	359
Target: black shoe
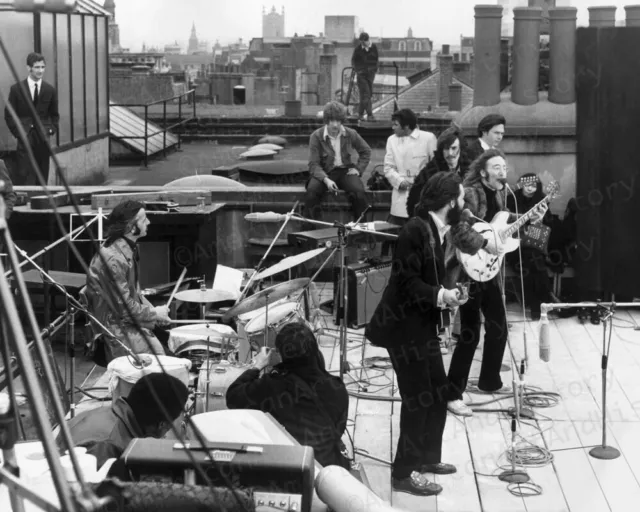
416	484
439	469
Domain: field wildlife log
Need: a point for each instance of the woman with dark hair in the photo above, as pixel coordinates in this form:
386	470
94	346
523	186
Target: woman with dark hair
537	284
299	393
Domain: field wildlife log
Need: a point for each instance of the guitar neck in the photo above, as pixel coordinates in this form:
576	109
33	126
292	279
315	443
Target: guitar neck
523	219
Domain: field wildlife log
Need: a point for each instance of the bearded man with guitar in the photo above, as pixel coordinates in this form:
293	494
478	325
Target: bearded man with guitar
485	189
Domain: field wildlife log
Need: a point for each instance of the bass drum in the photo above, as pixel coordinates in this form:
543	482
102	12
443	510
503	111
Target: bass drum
219	376
198	347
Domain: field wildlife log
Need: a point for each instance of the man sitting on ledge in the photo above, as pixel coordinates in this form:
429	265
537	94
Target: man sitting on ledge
330	166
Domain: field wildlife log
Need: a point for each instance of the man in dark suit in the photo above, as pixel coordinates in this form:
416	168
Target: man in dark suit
45	100
365	63
406	322
490	134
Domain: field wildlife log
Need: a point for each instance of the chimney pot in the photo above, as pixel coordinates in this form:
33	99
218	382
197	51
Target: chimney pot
602	16
526	55
633	16
445	65
445	49
562	54
455	97
486	50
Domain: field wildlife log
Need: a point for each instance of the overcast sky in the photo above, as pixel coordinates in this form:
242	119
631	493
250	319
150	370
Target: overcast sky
158	22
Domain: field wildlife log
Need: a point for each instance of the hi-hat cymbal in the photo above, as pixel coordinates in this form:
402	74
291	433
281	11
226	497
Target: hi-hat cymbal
289	262
204	296
266	296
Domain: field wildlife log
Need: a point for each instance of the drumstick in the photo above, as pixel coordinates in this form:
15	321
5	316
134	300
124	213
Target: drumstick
184	271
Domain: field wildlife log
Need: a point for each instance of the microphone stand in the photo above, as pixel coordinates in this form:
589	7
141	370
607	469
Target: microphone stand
605	452
262	260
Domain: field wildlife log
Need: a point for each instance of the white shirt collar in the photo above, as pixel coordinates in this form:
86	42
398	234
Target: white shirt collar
442	227
32	82
326	132
484	145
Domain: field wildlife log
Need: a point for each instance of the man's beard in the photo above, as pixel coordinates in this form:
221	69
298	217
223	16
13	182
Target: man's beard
453	215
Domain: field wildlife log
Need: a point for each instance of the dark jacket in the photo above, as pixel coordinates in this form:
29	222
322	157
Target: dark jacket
322	156
47	108
105	432
408	312
315	413
474	150
364	61
437	164
8	194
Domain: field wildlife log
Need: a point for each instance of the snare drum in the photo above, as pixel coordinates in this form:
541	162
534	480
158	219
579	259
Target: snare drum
279	316
220	376
123	374
195	346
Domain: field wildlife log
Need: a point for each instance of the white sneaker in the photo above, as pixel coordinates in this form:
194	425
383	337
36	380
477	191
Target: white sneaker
444	348
459	408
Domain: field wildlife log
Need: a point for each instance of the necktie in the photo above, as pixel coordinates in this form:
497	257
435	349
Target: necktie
35	94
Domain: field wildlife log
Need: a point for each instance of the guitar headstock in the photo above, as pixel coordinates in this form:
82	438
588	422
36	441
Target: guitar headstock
552	189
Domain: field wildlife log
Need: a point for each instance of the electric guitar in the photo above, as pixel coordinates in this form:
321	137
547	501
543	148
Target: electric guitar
483	266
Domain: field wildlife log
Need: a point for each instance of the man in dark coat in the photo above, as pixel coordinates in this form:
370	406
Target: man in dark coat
302	396
450	155
406	323
45	100
490	134
365	63
484	196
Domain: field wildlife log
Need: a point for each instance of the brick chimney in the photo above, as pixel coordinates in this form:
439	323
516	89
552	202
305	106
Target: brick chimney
602	16
486	50
445	65
562	55
526	55
633	16
455	97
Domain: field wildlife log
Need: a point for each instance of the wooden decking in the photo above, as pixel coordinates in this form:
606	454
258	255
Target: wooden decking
569	479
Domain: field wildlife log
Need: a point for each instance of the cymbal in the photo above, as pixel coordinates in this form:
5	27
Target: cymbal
266	296
211	333
289	262
204	297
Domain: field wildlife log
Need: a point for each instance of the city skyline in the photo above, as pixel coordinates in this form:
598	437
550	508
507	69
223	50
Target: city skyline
166	25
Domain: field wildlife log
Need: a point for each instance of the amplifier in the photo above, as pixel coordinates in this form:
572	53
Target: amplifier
279	476
365	285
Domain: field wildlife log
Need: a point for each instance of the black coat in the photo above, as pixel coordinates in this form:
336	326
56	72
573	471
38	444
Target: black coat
296	406
408	312
474	150
47	108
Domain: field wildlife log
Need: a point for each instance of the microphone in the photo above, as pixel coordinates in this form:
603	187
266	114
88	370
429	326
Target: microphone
265	217
545	348
53	6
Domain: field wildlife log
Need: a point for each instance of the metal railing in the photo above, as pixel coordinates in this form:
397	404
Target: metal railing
190	94
352	87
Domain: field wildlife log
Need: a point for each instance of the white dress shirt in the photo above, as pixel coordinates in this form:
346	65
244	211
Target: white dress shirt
442	231
484	145
32	86
335	143
403	160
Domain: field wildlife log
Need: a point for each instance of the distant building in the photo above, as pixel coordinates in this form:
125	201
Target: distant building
114	30
272	24
193	41
411	54
172	49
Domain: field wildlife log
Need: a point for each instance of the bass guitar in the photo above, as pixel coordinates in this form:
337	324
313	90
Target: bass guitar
484	266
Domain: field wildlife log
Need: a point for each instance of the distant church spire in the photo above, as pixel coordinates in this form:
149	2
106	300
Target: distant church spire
193	40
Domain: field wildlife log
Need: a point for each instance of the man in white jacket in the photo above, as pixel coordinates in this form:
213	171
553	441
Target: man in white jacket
409	149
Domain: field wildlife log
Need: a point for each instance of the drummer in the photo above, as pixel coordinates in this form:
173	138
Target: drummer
107	431
128	223
299	393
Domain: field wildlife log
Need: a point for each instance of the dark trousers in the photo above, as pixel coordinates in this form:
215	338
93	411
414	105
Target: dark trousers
537	285
485	297
365	86
423	386
24	173
352	185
